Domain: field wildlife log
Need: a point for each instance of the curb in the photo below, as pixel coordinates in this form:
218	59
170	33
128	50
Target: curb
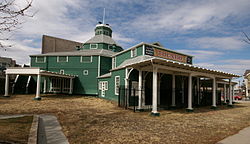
33	135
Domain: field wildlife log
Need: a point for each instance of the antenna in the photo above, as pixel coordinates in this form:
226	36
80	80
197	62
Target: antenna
103	18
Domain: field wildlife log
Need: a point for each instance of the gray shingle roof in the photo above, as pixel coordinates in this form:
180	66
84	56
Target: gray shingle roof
101	39
101	52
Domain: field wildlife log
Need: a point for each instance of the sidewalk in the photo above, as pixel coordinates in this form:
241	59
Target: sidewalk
53	130
243	137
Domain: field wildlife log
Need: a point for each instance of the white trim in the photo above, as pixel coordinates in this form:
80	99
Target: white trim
133	52
99	65
91	59
57	59
113	62
143	49
93	48
117	85
85	72
44	59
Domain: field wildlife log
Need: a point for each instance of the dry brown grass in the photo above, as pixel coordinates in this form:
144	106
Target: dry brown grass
15	130
95	120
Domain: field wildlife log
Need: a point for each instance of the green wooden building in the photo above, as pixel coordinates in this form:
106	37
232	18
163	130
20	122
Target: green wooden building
147	74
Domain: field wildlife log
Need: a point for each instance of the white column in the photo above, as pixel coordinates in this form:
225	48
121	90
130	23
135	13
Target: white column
154	94
140	90
44	85
230	93
38	87
173	90
214	93
70	85
225	93
6	85
190	93
233	93
246	84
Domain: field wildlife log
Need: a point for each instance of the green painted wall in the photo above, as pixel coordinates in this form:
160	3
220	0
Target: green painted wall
110	93
83	84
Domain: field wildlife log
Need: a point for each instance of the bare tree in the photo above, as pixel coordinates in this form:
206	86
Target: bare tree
247	38
11	18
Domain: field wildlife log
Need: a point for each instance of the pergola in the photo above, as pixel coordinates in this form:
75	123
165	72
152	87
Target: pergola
34	71
158	65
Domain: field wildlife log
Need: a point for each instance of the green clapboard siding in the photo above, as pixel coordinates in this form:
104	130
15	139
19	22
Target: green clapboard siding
110	93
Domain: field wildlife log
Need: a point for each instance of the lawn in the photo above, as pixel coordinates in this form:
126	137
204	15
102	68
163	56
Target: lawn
15	130
95	120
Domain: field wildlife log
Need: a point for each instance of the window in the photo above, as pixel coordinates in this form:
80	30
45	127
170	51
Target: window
86	59
117	85
133	52
93	46
85	72
114	62
105	85
40	59
61	71
111	47
62	58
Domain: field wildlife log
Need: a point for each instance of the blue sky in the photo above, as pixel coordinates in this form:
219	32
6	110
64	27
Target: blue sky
210	30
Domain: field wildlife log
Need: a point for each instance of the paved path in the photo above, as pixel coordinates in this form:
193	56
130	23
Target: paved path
53	130
243	137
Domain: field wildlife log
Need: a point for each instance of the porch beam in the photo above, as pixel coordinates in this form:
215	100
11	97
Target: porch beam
140	90
214	93
154	94
38	88
190	93
70	85
230	94
6	94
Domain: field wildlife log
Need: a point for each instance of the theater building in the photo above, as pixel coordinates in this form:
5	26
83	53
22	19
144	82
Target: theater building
160	76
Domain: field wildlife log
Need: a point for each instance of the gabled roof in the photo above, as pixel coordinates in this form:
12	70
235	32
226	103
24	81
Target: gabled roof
101	39
89	52
148	60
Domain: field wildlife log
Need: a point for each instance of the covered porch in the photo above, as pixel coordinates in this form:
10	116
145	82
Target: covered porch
56	79
178	84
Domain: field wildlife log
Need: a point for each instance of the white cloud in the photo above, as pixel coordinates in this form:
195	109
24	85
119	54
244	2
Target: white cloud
221	43
201	54
171	17
19	51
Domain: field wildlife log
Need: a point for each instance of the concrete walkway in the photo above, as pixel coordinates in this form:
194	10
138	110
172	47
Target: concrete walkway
243	137
53	130
50	131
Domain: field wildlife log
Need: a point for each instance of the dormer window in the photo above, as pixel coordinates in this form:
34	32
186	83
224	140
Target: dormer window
93	46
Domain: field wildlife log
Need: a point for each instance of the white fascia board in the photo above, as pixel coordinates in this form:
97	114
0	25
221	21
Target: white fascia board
28	71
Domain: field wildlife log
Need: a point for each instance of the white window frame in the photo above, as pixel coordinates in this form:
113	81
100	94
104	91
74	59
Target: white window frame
61	71
86	62
134	52
93	48
85	72
117	85
113	62
106	85
44	59
67	59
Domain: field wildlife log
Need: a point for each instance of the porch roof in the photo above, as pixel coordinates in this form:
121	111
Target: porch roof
35	71
147	61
